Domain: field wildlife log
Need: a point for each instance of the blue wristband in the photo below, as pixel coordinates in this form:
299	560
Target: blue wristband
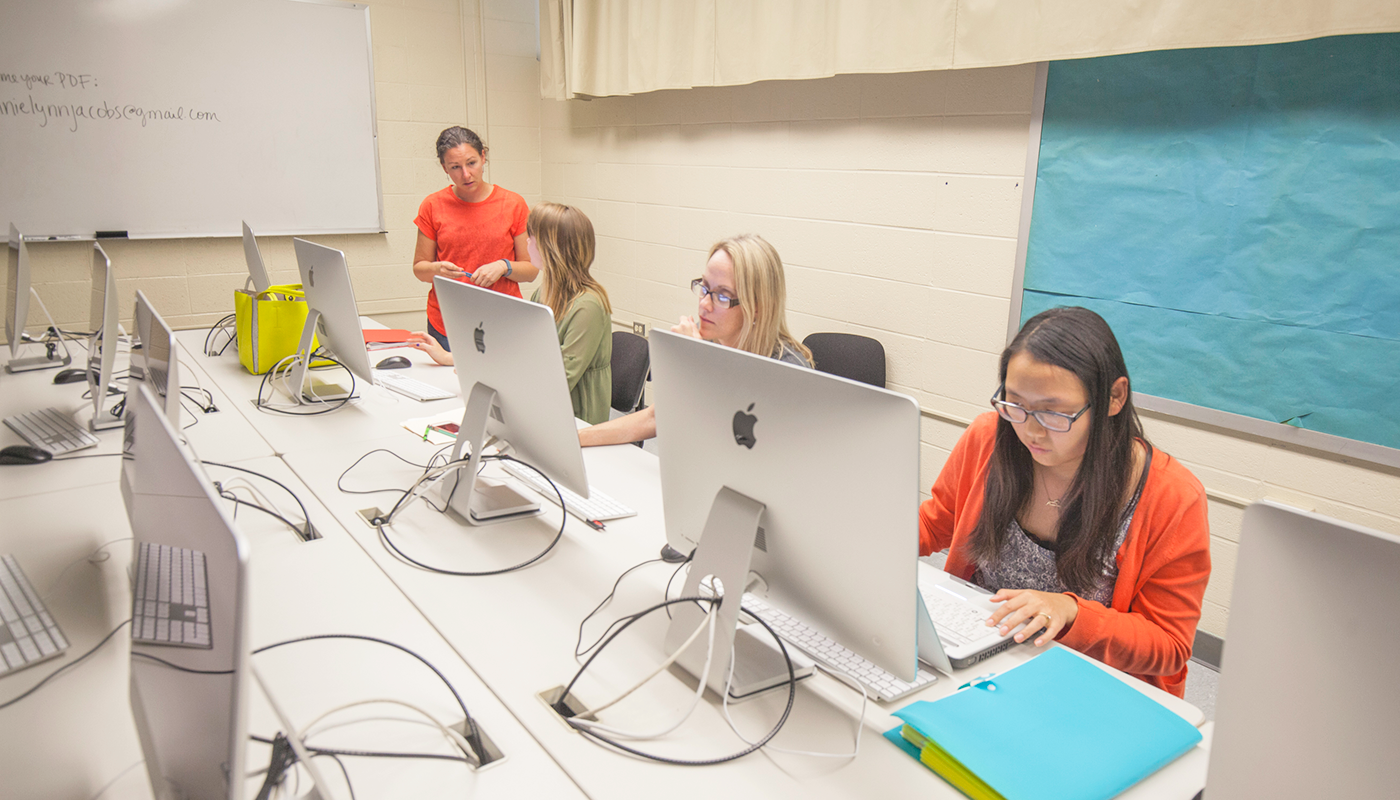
509	267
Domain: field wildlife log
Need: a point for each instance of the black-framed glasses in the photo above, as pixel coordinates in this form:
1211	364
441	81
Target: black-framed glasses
718	298
1049	420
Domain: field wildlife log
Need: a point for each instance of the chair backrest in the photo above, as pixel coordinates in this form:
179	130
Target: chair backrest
630	362
849	355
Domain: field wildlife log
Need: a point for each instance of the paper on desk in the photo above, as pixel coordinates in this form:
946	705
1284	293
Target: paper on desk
422	427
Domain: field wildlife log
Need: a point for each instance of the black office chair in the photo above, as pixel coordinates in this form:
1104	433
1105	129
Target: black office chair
631	361
849	355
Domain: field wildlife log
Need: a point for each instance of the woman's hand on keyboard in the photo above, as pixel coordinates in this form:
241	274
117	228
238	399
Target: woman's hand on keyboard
1049	611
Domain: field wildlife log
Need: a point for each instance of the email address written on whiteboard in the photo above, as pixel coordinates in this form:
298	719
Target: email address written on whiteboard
69	115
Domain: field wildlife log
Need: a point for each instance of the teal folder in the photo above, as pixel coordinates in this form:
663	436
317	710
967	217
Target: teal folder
1054	727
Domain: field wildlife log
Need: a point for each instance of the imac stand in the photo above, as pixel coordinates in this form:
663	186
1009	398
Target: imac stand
47	360
481	501
305	387
724	554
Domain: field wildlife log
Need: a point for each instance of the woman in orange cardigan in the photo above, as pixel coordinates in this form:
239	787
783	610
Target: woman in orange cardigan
1059	504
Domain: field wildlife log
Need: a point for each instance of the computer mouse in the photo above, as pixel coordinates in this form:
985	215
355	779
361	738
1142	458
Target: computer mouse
71	376
24	454
394	362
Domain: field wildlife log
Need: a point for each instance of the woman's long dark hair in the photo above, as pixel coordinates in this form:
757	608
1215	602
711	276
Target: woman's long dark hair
1080	341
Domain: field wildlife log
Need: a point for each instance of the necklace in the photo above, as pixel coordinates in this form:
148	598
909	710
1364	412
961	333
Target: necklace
1053	502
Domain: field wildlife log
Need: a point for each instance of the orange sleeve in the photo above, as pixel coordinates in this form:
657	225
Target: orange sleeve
956	500
1163	570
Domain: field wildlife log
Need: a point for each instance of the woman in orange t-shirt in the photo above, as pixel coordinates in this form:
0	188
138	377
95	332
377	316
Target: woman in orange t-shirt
471	230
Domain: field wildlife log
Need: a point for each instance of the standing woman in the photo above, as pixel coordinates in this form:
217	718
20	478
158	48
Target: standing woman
1060	505
561	244
471	230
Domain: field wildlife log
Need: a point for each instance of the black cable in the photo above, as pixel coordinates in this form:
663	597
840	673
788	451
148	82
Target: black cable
262	405
367	753
304	514
792	693
381	522
669	581
230	496
473	736
207	406
336	758
63	668
194	418
579	650
175	666
215	328
90	455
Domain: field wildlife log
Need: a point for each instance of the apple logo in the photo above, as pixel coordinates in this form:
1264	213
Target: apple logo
743	427
480	338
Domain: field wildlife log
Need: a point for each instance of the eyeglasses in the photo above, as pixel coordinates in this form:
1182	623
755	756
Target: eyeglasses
718	298
1049	420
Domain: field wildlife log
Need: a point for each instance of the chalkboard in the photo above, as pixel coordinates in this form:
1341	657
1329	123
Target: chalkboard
175	119
1234	214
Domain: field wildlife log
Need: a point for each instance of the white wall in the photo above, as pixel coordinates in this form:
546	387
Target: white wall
894	200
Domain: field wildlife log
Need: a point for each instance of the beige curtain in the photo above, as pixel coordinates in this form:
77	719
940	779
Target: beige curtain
618	47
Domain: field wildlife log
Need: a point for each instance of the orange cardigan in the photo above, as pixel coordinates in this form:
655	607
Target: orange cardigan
1163	564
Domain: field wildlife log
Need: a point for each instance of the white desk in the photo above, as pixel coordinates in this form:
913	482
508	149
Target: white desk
376	413
75	735
518	633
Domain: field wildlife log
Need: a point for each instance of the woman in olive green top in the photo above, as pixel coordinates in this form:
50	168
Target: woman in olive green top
561	243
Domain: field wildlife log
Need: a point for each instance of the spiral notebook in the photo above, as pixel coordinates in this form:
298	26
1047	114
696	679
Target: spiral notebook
1108	736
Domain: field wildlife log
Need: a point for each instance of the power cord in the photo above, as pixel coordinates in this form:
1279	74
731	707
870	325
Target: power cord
584	729
305	530
75	662
265	404
224	325
579	649
381	524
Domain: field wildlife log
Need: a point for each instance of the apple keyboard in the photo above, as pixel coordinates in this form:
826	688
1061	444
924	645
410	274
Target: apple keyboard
832	657
597	508
170	598
408	387
50	429
28	634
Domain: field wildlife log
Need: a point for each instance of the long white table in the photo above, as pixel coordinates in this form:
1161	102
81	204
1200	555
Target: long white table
75	737
517	631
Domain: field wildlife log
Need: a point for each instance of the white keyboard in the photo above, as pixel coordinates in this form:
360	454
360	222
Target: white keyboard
957	621
881	684
28	634
597	508
51	430
408	387
170	599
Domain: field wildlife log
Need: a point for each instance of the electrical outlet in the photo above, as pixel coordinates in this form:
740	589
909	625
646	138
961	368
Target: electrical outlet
639	328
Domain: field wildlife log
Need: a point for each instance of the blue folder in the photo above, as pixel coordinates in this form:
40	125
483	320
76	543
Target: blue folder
1094	735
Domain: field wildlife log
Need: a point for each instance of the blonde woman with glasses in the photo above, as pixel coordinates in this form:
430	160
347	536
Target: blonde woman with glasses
742	304
561	243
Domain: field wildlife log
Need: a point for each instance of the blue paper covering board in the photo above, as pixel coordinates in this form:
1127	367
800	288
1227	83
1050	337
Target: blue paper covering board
1106	735
1235	214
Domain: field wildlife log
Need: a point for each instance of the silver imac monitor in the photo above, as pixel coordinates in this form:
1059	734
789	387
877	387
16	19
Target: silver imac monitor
103	343
17	291
1306	705
192	727
512	373
153	358
258	279
333	318
797	483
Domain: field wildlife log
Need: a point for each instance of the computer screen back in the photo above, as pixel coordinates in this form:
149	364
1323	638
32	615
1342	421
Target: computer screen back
512	346
257	271
102	345
16	290
836	465
325	278
192	727
154	362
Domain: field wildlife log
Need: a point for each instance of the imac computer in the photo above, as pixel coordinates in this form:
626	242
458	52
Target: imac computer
258	279
103	344
796	485
153	358
332	318
512	373
17	291
192	726
1306	705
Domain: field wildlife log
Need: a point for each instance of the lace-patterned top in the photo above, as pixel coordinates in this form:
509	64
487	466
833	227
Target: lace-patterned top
1026	562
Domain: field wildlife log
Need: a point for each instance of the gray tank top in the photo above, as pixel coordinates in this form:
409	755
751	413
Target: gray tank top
1026	562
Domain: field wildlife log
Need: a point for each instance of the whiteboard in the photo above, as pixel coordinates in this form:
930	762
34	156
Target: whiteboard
180	118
